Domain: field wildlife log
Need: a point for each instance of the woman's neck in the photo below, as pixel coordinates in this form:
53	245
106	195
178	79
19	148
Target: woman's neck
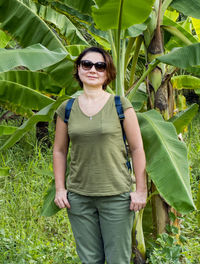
93	93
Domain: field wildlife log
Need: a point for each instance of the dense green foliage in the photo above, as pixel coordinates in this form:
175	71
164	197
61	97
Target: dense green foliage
27	237
67	27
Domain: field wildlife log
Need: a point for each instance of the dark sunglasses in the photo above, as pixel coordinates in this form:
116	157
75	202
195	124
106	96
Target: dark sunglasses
87	65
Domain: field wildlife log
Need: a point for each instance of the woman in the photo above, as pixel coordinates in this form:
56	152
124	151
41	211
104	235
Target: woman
98	197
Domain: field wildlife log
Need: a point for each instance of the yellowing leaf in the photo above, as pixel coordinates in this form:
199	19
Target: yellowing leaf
173	15
196	24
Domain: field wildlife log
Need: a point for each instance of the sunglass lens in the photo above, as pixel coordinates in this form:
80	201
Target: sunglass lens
87	65
100	66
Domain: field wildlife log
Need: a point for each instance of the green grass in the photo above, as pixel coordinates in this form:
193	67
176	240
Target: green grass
26	237
190	228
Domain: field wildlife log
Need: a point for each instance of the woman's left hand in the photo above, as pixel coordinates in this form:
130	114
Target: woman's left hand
138	200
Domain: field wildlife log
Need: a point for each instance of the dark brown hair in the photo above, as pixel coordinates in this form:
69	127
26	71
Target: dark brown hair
110	68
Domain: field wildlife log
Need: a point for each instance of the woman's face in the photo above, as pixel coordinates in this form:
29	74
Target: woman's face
92	77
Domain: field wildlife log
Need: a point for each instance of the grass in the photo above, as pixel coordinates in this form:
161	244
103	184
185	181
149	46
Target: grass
190	227
26	237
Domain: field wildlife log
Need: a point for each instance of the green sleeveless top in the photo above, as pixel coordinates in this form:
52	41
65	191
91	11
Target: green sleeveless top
98	155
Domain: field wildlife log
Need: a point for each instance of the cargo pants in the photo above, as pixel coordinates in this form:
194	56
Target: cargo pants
102	227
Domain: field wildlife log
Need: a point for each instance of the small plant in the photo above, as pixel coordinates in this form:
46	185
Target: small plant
168	247
166	250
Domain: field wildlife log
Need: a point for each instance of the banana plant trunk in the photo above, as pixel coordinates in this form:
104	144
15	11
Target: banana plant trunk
160	93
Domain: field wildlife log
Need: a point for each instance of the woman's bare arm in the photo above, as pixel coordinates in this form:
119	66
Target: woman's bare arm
132	130
60	150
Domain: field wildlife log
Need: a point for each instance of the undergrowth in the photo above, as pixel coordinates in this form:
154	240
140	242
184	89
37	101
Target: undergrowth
25	236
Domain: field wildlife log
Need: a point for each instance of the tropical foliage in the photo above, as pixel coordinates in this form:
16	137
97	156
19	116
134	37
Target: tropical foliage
149	41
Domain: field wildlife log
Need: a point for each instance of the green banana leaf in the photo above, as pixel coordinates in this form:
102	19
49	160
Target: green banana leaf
25	26
188	8
83	6
21	99
185	82
64	25
34	57
179	32
49	208
183	118
73	11
135	31
166	157
62	73
44	115
191	55
7	130
100	36
140	98
39	81
125	13
66	28
75	50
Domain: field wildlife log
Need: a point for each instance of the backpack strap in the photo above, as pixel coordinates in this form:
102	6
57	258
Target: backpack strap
120	112
68	109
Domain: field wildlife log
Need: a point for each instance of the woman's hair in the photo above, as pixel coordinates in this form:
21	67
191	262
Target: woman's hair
110	68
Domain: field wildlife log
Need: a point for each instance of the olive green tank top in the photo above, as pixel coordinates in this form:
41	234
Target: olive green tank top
98	155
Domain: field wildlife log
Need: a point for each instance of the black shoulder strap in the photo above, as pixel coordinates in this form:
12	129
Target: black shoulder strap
68	109
121	116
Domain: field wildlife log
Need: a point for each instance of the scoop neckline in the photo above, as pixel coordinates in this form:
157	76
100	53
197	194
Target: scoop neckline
92	116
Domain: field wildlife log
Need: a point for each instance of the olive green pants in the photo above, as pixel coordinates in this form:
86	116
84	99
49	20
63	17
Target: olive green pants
102	228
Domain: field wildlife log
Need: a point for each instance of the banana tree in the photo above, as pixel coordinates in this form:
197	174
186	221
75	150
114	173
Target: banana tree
131	38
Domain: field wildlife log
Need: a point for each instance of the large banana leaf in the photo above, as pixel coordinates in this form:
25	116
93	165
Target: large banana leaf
25	26
73	11
100	36
185	82
21	99
75	50
60	22
125	13
187	58
34	57
188	8
39	81
183	118
62	73
83	6
44	115
189	38
66	28
167	163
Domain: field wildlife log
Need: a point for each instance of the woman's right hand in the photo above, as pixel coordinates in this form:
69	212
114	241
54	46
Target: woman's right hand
61	199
